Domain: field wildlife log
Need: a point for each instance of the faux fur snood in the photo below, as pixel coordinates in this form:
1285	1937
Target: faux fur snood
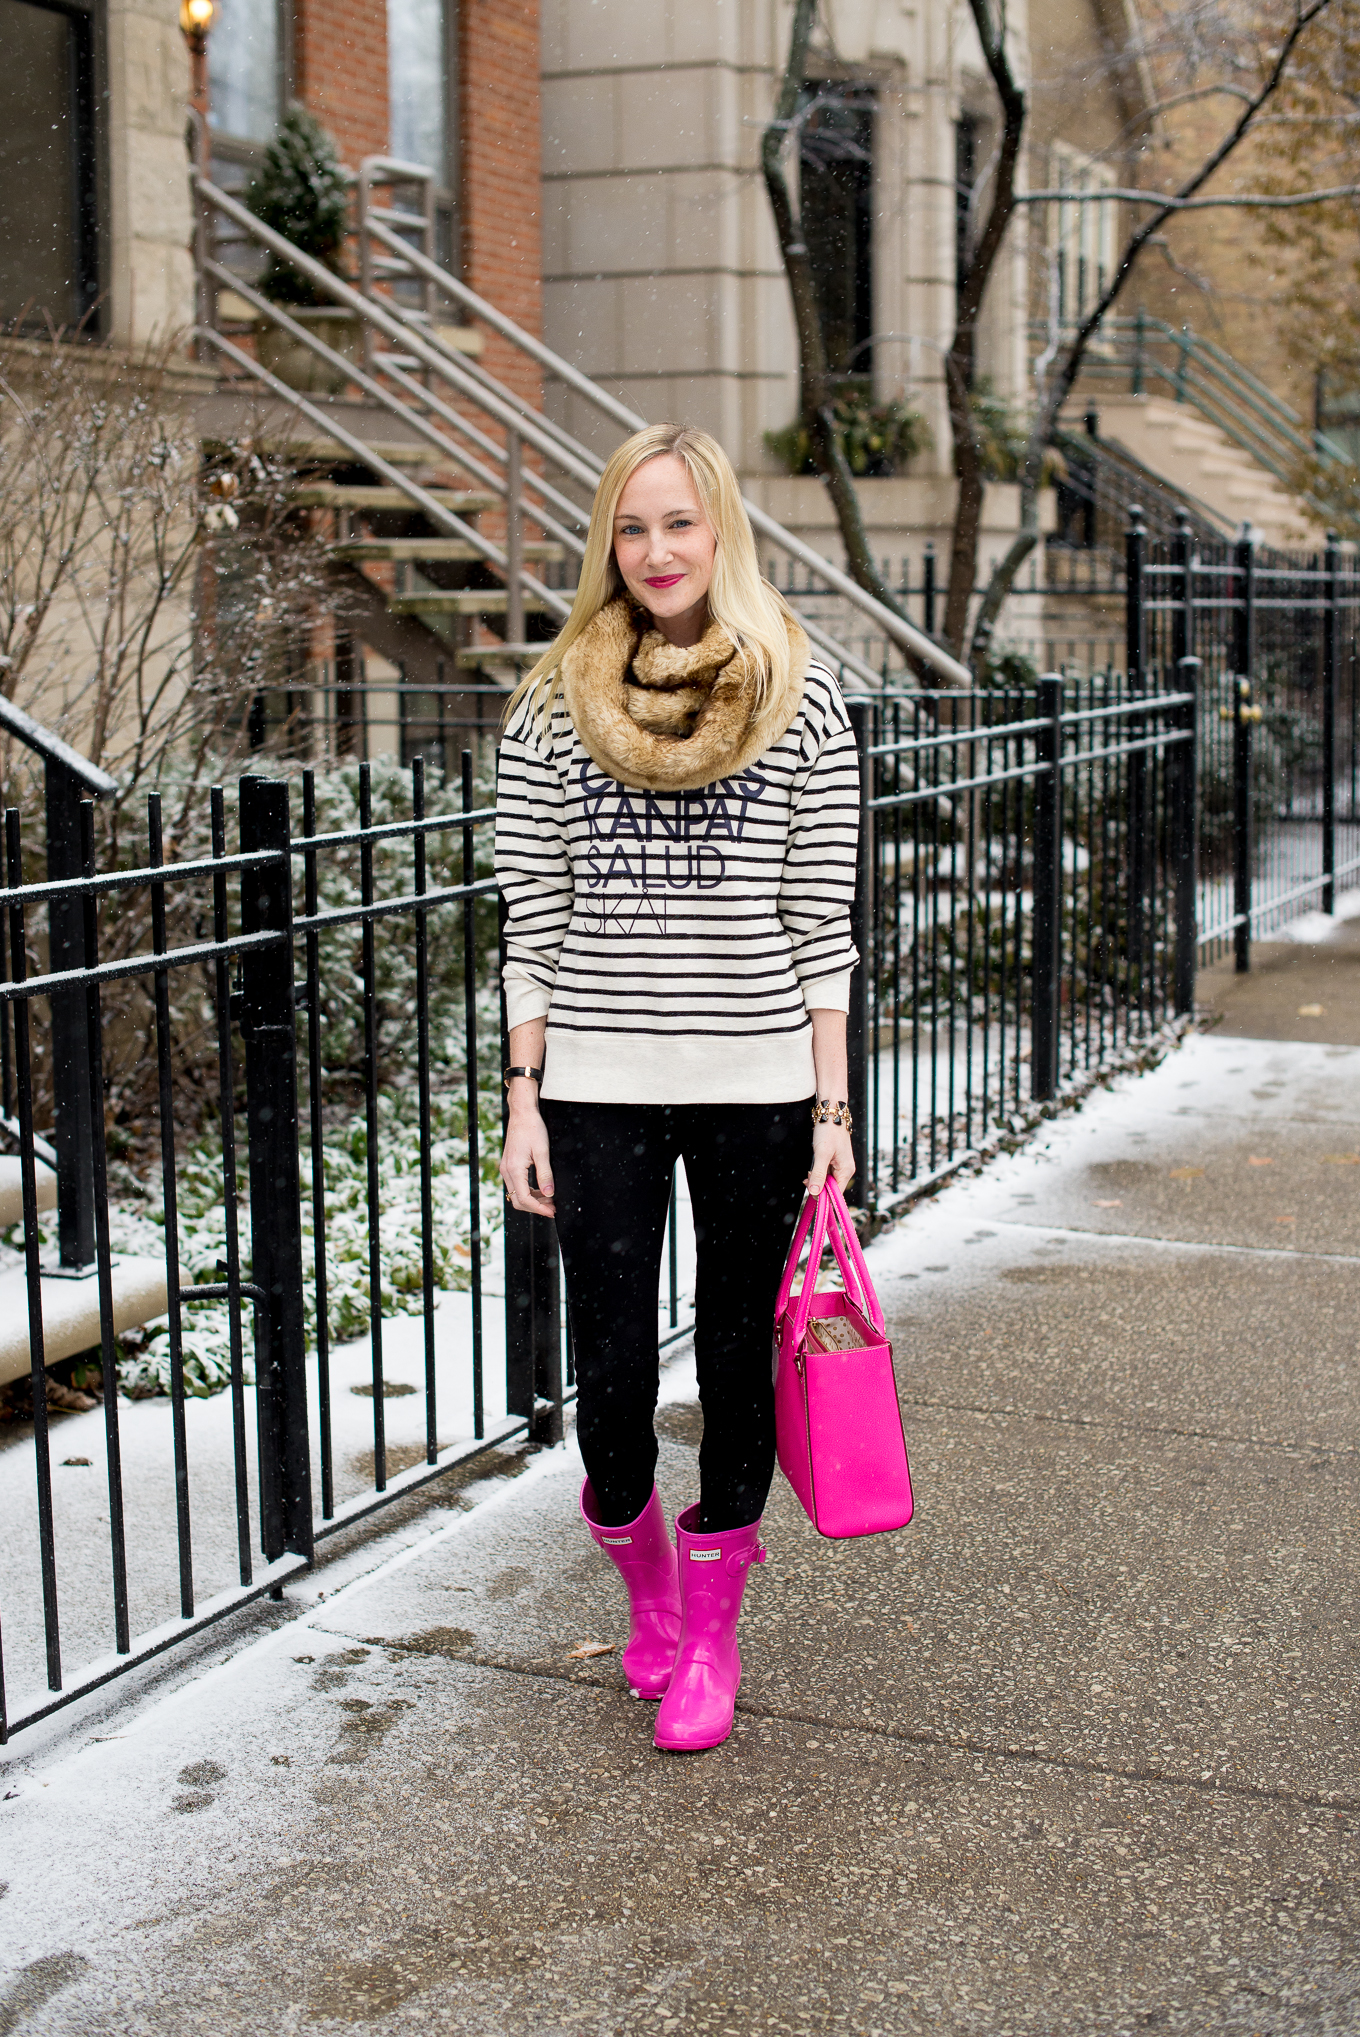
669	720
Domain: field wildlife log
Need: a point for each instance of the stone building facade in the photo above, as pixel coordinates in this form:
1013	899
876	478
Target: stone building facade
662	273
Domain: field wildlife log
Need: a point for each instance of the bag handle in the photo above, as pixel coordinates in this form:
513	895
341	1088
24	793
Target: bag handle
827	1213
805	1216
819	1207
844	1235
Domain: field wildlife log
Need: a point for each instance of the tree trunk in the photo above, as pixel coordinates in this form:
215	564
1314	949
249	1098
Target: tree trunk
978	265
816	389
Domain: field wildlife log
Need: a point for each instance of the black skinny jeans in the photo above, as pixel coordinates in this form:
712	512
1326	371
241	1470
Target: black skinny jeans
612	1165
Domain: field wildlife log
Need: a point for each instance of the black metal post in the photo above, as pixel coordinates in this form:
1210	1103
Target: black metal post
1182	631
1185	835
928	589
533	1298
470	1078
1135	615
1135	639
267	1023
1047	936
861	714
73	1125
1244	664
28	1179
103	1244
1331	667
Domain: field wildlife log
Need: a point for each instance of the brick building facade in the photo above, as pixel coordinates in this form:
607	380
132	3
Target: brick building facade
452	86
96	99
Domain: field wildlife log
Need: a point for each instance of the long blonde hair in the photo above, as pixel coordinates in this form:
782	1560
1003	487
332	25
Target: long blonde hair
752	612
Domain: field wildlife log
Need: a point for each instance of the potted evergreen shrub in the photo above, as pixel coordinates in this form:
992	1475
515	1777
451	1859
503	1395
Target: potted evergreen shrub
301	190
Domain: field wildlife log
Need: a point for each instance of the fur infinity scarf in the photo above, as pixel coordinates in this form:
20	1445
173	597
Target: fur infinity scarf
669	720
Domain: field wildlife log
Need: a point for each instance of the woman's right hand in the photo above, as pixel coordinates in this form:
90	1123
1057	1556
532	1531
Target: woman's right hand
526	1146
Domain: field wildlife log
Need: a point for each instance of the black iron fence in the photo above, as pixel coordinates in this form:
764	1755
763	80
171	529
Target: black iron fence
1042	868
1272	640
1028	905
267	964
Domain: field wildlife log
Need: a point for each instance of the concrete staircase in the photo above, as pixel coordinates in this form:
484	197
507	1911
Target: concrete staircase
1201	461
420	428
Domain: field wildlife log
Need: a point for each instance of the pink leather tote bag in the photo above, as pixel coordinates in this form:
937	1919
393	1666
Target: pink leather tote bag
837	1421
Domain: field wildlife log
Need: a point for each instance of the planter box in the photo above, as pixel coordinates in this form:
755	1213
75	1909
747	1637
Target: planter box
297	365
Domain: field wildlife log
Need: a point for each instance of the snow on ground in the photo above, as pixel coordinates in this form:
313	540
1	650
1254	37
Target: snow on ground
80	1491
90	1771
1312	927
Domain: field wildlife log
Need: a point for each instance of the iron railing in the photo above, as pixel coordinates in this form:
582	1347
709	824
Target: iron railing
969	934
1274	640
483	427
1148	354
268	957
1042	867
1029	907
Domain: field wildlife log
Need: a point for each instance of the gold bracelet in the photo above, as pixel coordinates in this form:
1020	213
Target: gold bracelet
825	1112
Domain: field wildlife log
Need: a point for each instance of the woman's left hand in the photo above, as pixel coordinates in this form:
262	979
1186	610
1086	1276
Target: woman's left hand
832	1153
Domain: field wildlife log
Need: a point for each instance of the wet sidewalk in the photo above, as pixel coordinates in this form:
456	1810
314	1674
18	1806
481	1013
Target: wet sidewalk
1075	1752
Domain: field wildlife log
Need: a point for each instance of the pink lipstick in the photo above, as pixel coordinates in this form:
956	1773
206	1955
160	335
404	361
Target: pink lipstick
666	580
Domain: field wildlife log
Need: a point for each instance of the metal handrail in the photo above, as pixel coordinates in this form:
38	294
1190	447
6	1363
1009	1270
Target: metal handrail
409	331
904	634
1207	377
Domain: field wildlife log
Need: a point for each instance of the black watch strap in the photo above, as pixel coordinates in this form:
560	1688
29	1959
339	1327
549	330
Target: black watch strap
534	1074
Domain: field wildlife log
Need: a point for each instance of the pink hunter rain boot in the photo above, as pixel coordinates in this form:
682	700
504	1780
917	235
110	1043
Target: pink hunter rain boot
641	1552
697	1709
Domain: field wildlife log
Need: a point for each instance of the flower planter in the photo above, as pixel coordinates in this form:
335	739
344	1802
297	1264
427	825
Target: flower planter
296	364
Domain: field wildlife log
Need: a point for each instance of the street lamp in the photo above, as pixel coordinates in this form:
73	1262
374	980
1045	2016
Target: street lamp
195	19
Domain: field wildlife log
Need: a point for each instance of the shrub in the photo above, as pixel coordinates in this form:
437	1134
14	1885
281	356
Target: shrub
877	439
302	191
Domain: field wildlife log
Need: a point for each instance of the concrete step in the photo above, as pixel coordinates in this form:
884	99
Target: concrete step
1193	454
12	1192
517	656
337	495
70	1310
460	601
435	550
396	452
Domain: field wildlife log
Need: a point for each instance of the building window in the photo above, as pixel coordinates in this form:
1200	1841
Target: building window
836	177
246	70
49	203
1083	234
417	84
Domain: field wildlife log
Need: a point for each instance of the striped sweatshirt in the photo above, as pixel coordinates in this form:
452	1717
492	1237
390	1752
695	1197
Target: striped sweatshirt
677	941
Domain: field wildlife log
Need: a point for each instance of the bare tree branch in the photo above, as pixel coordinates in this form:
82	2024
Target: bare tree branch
1058	382
1170	203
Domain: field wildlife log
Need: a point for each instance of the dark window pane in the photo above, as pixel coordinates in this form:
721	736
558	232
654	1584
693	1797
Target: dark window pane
44	146
836	171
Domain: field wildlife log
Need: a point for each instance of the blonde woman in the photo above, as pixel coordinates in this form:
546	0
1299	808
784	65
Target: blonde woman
676	825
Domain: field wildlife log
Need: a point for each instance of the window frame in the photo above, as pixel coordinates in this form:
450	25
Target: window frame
1081	233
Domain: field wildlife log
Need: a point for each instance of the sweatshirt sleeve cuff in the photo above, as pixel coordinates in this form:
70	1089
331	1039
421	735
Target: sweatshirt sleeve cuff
526	1001
828	993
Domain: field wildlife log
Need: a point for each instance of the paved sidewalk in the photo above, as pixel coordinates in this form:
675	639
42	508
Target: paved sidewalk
1305	988
1075	1752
